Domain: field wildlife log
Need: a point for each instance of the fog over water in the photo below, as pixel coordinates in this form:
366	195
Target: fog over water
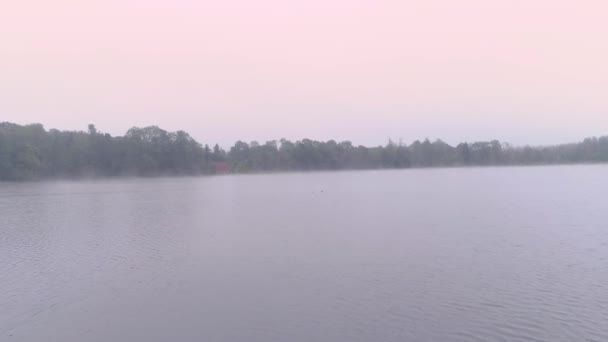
471	254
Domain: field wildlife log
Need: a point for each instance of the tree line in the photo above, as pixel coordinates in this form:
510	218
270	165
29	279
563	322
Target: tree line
32	152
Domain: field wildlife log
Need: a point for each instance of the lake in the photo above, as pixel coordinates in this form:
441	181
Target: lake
477	254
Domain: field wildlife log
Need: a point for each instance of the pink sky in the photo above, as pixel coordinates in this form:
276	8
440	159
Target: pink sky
521	71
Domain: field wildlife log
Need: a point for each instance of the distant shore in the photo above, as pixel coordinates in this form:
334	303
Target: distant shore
30	152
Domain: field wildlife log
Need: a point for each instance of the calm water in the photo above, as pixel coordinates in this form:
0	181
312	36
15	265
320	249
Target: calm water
496	254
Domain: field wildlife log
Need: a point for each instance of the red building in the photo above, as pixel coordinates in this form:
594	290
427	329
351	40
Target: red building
221	167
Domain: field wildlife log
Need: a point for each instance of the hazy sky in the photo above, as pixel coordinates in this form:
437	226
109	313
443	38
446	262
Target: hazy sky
521	71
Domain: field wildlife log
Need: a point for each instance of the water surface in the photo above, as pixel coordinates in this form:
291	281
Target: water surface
484	254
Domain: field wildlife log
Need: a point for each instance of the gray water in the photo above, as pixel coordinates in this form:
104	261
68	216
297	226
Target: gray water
494	254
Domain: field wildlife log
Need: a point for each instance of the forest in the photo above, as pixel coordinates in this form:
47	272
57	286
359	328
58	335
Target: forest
30	152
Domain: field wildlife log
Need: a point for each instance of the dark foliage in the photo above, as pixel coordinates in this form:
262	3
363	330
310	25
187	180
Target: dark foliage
31	152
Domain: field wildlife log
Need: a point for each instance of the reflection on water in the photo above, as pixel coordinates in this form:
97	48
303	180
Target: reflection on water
496	254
